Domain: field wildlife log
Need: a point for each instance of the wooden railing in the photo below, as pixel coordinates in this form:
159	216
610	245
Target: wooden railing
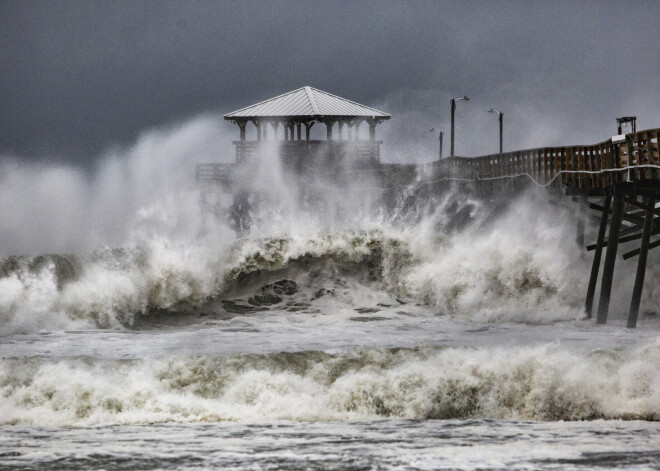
583	168
220	173
553	165
368	151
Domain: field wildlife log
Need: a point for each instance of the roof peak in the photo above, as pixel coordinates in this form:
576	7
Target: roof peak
312	101
306	102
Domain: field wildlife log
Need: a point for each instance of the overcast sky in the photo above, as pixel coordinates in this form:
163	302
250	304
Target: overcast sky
79	77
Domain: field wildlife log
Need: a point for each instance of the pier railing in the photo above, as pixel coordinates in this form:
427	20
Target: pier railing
581	167
215	173
585	168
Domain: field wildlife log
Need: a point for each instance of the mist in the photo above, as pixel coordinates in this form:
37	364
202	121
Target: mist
139	191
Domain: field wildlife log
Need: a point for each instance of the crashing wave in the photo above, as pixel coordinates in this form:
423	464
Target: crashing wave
540	383
486	277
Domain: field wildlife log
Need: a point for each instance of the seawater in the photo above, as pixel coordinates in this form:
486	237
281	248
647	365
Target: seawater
445	333
326	353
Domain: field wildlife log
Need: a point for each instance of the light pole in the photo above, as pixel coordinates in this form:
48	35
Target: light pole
440	141
501	115
453	108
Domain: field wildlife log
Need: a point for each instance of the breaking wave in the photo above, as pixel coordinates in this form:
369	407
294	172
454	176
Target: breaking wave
484	275
540	383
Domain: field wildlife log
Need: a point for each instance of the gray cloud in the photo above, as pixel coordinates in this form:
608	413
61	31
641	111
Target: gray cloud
77	77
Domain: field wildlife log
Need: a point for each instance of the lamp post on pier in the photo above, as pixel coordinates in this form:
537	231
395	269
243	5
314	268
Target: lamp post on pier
440	141
453	108
501	116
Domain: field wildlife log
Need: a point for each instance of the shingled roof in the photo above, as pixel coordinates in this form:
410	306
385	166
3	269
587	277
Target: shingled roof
309	103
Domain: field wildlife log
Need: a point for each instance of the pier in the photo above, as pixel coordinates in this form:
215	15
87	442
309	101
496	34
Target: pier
619	178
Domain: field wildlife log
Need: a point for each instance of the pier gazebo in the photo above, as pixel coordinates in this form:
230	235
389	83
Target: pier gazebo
306	107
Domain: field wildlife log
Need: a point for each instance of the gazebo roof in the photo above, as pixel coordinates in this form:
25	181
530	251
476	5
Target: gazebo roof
308	103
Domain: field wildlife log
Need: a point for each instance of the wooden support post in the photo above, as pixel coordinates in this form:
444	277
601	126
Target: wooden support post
357	124
641	266
298	132
372	132
328	125
582	207
241	126
595	267
610	257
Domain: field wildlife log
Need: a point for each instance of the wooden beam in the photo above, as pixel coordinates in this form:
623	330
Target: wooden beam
624	232
631	238
625	216
645	207
634	253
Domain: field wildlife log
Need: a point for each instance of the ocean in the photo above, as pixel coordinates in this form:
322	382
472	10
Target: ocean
445	333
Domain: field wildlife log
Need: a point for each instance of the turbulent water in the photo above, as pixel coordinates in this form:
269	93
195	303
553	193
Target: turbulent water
337	335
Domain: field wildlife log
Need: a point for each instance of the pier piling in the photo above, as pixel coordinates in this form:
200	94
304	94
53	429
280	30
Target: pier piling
641	264
610	257
595	267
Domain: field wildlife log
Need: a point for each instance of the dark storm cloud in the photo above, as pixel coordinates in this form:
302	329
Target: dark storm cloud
77	77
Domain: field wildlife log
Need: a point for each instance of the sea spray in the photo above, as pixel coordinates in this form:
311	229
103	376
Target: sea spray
455	253
472	275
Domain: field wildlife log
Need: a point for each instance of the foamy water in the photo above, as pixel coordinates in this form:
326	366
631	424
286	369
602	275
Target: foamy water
338	334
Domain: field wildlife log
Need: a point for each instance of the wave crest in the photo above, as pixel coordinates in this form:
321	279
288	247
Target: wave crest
541	383
484	277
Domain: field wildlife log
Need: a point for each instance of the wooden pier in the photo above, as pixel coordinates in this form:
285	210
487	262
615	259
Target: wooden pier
619	178
592	169
624	171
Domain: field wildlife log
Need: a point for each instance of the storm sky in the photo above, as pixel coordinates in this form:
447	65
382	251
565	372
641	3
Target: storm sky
79	77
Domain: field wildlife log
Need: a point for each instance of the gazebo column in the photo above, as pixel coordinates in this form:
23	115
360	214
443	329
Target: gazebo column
257	125
356	125
340	130
298	132
349	132
328	125
292	134
275	125
286	131
308	128
372	129
241	127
